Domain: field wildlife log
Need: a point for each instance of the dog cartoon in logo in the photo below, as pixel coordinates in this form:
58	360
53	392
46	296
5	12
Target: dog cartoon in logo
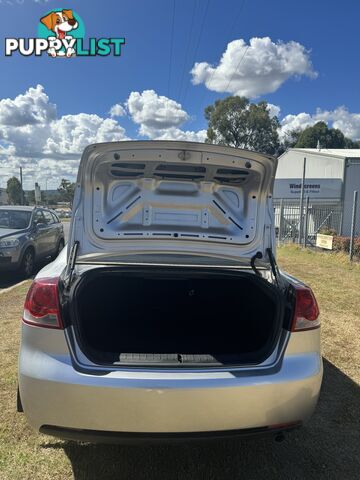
61	23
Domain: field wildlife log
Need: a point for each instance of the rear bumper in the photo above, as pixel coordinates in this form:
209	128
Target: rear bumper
151	402
101	436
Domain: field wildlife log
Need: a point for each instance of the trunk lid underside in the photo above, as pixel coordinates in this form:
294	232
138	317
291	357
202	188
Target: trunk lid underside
174	196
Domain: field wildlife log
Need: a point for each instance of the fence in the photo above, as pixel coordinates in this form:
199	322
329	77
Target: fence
292	225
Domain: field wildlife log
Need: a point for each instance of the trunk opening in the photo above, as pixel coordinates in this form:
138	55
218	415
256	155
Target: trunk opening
175	316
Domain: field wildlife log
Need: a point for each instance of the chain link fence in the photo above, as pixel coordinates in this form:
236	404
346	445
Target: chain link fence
315	218
294	226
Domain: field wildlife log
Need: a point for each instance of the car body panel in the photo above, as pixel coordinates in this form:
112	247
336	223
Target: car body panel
150	400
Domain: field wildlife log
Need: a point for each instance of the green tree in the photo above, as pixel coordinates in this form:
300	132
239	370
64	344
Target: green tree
66	191
236	122
289	140
14	191
320	132
351	143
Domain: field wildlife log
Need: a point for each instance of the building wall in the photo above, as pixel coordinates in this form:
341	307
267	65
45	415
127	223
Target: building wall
323	178
317	165
330	182
352	182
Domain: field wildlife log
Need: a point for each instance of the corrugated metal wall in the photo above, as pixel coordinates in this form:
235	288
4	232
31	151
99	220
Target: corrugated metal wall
352	182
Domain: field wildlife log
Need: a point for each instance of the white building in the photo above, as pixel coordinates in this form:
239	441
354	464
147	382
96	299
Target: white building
331	177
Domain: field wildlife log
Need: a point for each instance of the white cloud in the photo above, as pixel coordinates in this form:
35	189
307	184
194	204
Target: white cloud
71	133
274	110
174	133
29	128
296	122
253	69
33	107
341	118
160	117
154	112
32	135
117	110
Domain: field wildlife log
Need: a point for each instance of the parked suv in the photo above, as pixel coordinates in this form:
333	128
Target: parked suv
28	234
167	316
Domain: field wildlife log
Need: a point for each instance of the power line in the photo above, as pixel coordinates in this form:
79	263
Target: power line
188	47
213	72
237	67
171	46
237	16
198	42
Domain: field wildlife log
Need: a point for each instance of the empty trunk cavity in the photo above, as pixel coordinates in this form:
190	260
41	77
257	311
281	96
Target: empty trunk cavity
175	317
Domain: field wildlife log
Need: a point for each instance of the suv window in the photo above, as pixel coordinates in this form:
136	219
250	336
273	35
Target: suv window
49	220
38	217
56	220
14	219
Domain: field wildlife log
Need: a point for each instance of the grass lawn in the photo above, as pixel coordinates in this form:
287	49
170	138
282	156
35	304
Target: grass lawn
336	285
326	448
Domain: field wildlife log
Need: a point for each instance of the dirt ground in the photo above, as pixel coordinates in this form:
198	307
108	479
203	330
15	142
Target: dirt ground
327	448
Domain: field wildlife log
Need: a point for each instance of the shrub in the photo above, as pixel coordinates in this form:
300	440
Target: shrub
342	244
328	231
357	246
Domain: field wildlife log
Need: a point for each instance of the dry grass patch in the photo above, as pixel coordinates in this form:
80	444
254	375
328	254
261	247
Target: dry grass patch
336	284
21	452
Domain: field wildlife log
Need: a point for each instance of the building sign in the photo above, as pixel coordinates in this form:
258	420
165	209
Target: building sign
324	241
313	188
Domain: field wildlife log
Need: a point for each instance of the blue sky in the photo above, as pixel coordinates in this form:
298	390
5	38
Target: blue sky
325	77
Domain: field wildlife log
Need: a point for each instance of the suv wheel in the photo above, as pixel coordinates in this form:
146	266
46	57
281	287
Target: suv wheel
27	264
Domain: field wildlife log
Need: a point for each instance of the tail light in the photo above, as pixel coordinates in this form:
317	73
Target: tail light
306	315
42	307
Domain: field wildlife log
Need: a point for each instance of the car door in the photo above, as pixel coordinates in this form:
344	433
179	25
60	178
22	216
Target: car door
39	235
50	233
59	229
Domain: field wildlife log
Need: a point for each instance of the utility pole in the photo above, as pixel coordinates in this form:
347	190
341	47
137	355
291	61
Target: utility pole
302	202
306	227
353	225
22	191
